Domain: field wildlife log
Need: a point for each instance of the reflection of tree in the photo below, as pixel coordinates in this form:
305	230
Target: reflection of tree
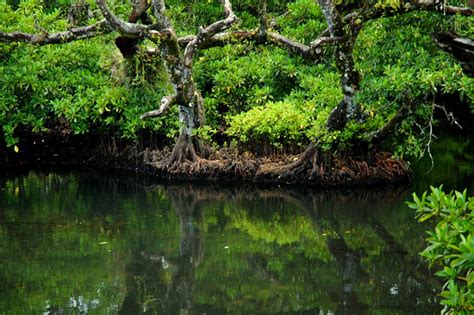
190	249
267	250
356	232
283	236
148	290
349	262
50	251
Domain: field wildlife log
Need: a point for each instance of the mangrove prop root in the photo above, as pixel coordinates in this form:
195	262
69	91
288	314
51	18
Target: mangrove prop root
316	167
312	167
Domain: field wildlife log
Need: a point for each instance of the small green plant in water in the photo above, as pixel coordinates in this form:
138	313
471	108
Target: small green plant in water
451	245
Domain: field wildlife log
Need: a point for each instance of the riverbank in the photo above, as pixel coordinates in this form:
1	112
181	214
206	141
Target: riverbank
98	152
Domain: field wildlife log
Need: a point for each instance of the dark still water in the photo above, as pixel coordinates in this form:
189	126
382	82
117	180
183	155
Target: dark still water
85	243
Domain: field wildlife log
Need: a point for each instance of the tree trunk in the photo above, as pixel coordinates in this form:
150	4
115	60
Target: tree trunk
180	68
188	145
345	65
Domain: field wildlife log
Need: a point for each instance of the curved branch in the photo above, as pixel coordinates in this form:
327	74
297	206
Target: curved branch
345	63
225	38
159	9
45	38
260	35
220	39
125	28
388	129
221	25
205	34
311	52
321	41
365	15
440	7
166	102
290	44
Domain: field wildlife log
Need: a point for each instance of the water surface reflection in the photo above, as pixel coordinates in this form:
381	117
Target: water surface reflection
79	242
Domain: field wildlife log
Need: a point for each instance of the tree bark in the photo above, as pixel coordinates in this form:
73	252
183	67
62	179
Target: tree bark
128	46
45	38
180	68
347	108
461	48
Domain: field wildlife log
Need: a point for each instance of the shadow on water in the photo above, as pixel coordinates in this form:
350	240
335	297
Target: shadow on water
82	242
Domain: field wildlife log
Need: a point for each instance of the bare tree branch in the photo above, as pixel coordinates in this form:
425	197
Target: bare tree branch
220	25
159	12
170	52
262	9
167	34
364	14
391	125
345	64
45	38
321	41
125	28
372	13
449	115
289	44
261	35
166	102
221	39
205	33
312	51
439	6
139	12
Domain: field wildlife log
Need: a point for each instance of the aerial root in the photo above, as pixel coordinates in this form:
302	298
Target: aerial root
312	167
316	167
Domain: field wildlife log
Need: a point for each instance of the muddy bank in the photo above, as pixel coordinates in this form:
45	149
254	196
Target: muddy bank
291	169
107	153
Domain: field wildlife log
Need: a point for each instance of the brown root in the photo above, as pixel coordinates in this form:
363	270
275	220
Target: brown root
312	167
320	168
183	151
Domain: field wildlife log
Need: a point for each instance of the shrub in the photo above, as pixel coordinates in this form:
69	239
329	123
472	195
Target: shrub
451	245
280	124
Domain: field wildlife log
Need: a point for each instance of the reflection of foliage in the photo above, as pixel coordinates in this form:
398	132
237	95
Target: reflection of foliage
51	261
262	250
255	276
451	244
52	276
63	240
362	236
300	233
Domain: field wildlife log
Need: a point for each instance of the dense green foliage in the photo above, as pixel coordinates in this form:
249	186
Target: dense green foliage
398	62
256	95
451	245
85	84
